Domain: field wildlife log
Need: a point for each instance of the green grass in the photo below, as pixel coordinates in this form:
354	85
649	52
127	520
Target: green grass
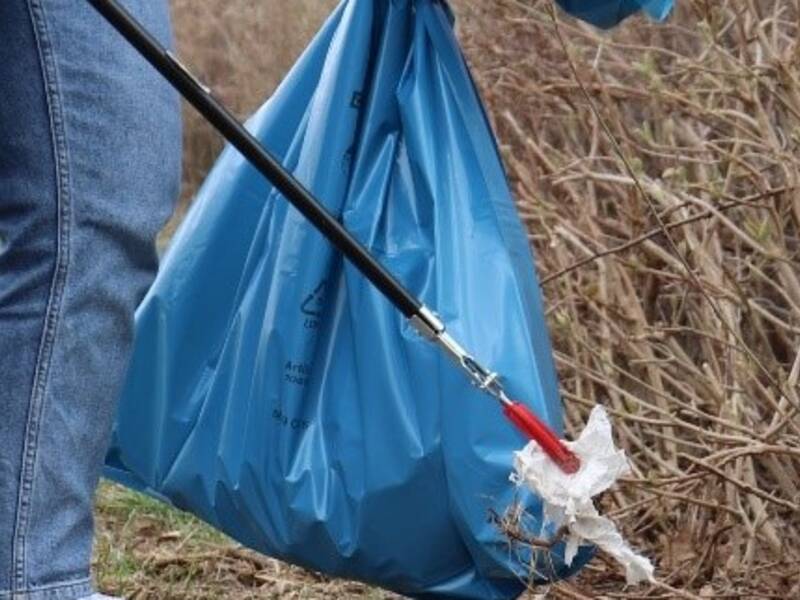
146	549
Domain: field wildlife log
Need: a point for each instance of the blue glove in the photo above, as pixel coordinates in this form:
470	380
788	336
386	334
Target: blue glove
607	13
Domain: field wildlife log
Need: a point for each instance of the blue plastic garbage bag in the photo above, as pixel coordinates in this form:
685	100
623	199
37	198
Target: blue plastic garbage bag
607	13
277	395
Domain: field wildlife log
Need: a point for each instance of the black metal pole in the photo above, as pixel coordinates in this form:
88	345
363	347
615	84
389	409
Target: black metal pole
234	132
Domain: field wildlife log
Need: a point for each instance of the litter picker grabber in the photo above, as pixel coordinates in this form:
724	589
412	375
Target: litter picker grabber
423	319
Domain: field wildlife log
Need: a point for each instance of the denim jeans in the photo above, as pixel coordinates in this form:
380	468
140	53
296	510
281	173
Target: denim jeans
89	170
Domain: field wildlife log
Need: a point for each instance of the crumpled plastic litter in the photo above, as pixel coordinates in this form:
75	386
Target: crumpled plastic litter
567	499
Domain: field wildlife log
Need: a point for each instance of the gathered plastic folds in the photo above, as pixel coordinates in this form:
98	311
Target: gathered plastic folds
276	394
607	13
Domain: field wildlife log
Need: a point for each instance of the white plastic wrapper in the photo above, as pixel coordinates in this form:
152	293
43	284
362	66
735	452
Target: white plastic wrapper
568	498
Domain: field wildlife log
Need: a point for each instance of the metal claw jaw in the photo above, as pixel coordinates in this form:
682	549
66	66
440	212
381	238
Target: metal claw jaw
431	327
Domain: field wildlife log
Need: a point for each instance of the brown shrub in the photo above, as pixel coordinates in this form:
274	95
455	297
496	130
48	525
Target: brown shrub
691	339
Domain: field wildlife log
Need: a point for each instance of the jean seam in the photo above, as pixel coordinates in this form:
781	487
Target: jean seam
52	315
52	592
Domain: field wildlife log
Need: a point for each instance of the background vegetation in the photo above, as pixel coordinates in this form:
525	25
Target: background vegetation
657	168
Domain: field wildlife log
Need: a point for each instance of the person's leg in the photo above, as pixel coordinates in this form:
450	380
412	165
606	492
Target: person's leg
89	170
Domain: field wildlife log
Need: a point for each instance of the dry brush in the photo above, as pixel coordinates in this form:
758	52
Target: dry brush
657	168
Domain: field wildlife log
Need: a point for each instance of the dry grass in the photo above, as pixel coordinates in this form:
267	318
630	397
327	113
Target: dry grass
241	49
671	276
148	551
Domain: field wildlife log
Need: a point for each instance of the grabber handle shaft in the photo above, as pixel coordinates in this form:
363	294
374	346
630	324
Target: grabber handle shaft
534	428
235	133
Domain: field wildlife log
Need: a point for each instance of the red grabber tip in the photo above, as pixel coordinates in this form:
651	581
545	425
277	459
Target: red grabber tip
534	428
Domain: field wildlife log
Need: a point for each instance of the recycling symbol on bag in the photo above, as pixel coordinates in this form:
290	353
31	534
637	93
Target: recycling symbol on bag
313	304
